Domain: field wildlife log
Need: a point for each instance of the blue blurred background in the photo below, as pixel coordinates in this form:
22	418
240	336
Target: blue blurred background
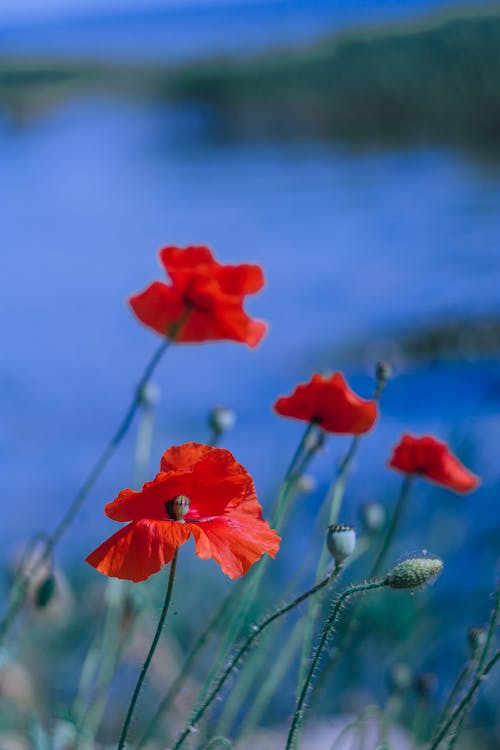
375	212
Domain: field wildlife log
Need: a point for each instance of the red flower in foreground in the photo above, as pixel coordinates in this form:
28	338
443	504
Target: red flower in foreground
433	460
331	403
201	491
204	301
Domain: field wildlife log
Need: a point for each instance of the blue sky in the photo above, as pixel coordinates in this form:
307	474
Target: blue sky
30	9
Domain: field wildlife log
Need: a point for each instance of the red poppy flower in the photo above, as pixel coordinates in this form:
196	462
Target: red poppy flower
201	491
433	460
331	403
204	302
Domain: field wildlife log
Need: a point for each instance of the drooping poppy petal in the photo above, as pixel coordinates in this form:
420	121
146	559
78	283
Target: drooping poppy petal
432	459
205	300
331	403
235	543
139	549
223	514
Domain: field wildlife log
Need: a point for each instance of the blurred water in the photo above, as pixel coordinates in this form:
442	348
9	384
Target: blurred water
355	245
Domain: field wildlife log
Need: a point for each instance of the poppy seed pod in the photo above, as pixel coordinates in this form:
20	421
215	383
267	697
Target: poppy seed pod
341	541
414	572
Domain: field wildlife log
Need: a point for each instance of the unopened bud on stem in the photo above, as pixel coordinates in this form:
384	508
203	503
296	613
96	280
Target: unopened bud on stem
414	572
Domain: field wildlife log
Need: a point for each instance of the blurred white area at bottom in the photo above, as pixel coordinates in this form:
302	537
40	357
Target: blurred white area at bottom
344	733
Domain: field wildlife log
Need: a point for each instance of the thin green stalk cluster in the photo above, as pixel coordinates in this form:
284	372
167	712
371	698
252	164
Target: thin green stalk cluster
145	666
480	672
243	594
255	632
20	588
325	636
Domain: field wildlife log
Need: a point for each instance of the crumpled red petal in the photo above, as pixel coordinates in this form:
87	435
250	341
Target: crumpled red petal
432	459
331	403
139	549
235	543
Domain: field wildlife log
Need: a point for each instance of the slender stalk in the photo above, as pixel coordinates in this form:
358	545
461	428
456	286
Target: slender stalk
401	504
495	614
175	687
333	500
454	693
234	627
145	666
255	631
222	741
329	625
465	702
20	588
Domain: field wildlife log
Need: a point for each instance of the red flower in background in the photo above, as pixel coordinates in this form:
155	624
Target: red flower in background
201	491
433	460
331	403
204	302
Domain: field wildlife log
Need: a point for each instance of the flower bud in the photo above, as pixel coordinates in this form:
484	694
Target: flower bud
373	517
341	541
400	677
306	483
44	591
477	640
383	372
149	395
414	572
425	684
221	419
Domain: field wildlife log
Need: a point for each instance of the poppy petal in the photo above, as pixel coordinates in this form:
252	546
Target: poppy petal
235	543
159	306
432	459
139	549
183	456
150	501
331	403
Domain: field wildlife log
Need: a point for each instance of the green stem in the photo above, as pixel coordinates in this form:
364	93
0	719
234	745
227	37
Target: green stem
333	500
465	702
149	657
401	504
495	614
175	687
455	691
20	588
234	627
256	630
329	625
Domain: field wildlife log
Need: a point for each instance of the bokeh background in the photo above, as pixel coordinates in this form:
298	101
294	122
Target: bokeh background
352	149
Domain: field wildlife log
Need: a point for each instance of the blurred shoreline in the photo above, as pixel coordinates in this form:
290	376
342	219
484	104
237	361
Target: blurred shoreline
436	80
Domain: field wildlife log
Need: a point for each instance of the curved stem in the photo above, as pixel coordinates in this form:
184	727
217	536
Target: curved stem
464	702
256	630
20	589
149	657
330	622
495	614
186	667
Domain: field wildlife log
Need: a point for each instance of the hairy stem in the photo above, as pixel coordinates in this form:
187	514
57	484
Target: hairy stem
465	702
329	625
255	631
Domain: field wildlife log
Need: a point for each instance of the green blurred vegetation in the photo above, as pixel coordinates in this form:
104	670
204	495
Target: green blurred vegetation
438	79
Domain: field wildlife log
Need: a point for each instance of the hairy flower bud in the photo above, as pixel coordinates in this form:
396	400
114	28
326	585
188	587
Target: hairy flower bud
383	372
414	572
400	677
341	541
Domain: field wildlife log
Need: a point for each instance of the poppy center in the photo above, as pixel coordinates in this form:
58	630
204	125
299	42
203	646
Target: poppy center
178	507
